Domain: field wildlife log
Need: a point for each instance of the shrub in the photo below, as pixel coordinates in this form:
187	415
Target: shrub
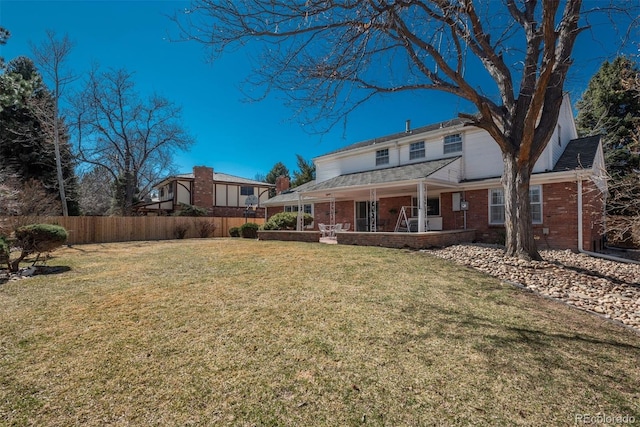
180	230
249	230
190	210
4	250
37	238
204	228
285	221
234	232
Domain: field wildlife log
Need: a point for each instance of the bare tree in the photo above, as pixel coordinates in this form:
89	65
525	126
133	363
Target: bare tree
95	191
327	57
131	138
50	57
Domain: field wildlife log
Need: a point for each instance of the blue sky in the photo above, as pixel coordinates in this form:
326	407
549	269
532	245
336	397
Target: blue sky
232	135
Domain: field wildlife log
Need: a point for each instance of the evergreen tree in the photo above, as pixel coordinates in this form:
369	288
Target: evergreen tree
279	169
609	108
26	147
306	172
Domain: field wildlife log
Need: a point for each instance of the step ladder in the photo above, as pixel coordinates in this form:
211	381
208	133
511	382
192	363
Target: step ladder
402	224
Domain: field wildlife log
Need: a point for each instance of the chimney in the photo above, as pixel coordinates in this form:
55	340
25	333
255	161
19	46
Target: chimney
203	187
407	126
282	184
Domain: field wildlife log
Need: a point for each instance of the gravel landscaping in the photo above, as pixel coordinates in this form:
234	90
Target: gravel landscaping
608	288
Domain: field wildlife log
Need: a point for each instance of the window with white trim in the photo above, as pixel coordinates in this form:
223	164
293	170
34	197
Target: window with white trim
453	143
294	208
382	157
496	205
416	150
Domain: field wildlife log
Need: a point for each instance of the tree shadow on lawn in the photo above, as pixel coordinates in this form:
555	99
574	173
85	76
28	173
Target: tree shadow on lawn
587	356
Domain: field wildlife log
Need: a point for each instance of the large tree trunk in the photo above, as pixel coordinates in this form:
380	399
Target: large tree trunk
519	240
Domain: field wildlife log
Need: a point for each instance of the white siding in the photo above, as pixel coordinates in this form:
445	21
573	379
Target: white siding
482	156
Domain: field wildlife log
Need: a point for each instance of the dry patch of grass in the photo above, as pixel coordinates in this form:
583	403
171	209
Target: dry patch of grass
237	332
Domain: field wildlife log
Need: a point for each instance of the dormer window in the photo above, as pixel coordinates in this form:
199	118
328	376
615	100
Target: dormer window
453	143
416	150
382	157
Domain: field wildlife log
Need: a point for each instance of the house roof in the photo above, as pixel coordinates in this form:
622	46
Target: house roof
416	131
290	195
218	177
580	153
411	172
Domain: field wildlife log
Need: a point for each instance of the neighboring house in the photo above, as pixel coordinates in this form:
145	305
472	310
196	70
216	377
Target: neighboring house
220	194
447	177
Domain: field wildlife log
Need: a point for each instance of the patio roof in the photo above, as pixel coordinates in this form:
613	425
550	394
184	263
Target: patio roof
394	178
386	176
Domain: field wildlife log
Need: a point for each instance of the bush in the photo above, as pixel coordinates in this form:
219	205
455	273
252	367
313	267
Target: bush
4	250
180	230
37	238
249	230
234	232
204	228
190	210
286	221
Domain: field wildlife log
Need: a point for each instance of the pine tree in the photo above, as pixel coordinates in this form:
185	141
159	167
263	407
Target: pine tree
609	108
26	149
306	172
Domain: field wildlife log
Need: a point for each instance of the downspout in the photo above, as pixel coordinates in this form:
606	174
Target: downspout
580	236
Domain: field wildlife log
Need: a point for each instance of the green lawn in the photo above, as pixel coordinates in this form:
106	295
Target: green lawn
239	332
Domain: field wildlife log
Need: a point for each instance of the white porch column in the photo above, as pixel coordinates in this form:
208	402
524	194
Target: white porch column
332	212
422	206
300	218
373	216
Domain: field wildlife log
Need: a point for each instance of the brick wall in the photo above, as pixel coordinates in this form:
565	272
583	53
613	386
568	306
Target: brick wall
344	213
289	235
236	212
407	240
559	217
203	187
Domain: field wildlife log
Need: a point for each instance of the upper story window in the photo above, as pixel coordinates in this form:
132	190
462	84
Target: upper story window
416	150
246	191
382	157
496	205
453	143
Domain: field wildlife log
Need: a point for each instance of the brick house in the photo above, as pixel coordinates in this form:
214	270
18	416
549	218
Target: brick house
446	177
220	194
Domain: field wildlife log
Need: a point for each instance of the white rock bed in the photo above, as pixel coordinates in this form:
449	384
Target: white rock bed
609	288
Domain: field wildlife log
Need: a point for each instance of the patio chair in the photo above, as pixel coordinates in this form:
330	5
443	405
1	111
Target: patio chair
336	229
346	226
323	229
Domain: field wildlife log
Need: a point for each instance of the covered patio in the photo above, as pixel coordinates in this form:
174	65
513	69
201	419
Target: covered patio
397	199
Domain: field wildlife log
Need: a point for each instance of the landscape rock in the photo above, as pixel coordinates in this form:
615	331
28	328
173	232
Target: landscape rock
609	288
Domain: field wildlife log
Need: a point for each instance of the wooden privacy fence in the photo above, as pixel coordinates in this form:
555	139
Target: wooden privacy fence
105	229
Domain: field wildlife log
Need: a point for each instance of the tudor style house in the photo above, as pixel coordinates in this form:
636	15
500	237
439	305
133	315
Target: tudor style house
446	176
219	193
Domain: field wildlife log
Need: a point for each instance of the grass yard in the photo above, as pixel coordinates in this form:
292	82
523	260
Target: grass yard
238	332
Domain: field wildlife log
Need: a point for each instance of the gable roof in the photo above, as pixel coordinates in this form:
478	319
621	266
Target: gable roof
416	131
217	177
580	153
